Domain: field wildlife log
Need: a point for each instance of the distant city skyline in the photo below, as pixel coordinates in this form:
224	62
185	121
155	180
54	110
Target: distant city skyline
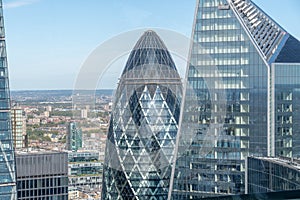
47	41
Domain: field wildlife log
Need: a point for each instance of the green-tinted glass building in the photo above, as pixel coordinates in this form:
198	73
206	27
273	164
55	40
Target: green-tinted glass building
74	137
241	99
7	163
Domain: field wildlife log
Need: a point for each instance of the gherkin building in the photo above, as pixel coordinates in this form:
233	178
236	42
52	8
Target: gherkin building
143	126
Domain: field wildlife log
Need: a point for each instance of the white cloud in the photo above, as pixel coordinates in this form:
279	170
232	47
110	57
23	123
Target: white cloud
19	3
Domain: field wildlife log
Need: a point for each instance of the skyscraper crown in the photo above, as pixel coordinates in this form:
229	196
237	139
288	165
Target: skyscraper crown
266	32
149	49
272	40
150	40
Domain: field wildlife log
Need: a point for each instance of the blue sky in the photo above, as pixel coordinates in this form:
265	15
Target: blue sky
48	40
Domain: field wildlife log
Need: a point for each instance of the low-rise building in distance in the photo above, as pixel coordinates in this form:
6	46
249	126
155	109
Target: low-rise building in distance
85	173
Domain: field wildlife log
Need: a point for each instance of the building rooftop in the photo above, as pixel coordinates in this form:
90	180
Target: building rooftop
290	53
285	161
266	33
271	39
31	151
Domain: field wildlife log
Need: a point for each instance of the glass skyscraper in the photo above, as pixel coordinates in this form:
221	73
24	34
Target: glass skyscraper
144	123
74	137
241	99
7	164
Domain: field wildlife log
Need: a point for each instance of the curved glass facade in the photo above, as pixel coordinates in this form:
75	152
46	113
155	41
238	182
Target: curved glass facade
267	174
144	123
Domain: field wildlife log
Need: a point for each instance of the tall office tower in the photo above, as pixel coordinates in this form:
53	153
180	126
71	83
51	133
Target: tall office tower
42	175
18	121
243	80
7	165
143	125
74	137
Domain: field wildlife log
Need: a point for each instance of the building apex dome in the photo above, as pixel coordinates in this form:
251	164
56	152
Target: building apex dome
149	50
150	39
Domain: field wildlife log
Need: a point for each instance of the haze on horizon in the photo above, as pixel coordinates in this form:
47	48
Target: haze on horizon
48	41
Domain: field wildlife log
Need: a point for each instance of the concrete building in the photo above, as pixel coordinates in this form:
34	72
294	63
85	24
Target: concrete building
18	120
85	171
48	109
42	175
84	114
